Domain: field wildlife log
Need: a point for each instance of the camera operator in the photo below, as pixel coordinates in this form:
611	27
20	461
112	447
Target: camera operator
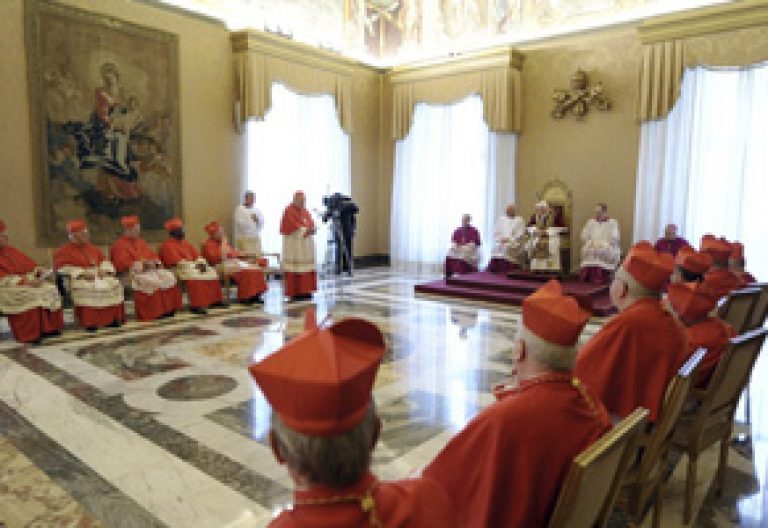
342	210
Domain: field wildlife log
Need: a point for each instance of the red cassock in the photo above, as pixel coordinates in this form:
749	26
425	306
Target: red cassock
412	503
202	293
30	325
630	361
124	252
88	256
506	467
250	282
722	281
297	282
745	278
714	335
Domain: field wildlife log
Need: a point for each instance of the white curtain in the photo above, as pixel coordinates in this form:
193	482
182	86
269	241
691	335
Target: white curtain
705	167
448	165
298	146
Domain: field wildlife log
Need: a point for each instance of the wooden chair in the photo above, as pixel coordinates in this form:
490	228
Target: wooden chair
760	310
738	308
588	483
712	419
644	482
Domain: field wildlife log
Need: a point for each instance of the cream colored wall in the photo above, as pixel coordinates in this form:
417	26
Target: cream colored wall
211	150
596	157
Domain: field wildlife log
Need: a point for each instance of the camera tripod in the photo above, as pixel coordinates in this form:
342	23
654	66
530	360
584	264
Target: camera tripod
336	237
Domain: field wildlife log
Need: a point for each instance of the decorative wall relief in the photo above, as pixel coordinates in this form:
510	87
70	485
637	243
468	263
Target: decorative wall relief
104	105
579	98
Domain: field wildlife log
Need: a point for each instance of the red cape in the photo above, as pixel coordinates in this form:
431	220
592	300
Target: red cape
411	503
293	218
722	281
714	335
630	361
70	254
174	251
212	252
14	262
506	467
126	250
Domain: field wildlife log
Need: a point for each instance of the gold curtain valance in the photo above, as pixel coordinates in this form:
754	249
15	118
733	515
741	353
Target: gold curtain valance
494	75
731	35
261	60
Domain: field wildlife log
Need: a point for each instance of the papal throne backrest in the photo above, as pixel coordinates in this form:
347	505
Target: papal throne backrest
560	199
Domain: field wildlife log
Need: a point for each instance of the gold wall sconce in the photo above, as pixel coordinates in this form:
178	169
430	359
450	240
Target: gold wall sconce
579	98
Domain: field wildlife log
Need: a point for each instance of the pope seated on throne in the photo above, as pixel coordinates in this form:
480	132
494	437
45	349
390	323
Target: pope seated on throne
544	228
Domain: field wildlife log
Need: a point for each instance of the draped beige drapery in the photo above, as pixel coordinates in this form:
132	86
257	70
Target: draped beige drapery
725	36
261	60
495	76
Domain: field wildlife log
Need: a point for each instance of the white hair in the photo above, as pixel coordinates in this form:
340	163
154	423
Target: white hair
556	357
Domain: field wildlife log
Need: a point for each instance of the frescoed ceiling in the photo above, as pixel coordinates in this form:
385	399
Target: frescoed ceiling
387	32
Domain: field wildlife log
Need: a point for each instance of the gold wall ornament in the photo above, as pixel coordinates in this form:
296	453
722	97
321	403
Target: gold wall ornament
579	98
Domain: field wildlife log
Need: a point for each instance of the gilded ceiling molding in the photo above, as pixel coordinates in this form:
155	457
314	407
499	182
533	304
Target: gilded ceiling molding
712	19
262	59
494	74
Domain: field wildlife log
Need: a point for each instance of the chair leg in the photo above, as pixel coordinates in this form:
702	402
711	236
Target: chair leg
722	463
658	506
690	486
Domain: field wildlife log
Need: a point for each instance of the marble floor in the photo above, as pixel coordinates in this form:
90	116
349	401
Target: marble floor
159	424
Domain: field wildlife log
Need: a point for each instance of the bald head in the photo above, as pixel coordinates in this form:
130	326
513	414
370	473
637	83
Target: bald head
670	232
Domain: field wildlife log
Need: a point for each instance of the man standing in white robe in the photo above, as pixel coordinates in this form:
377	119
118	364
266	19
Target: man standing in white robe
600	254
248	224
508	242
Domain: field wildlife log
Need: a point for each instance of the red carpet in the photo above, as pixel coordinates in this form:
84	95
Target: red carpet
492	287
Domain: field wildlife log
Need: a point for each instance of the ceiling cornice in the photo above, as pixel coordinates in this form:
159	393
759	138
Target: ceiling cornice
498	57
288	49
712	19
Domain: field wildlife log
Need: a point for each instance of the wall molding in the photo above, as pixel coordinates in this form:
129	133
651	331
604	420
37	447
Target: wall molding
713	19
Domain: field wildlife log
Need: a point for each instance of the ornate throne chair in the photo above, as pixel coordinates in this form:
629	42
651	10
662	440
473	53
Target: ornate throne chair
560	199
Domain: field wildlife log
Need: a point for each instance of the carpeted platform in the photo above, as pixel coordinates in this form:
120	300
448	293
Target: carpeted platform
512	289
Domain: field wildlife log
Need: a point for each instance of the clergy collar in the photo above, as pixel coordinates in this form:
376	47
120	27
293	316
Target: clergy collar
314	493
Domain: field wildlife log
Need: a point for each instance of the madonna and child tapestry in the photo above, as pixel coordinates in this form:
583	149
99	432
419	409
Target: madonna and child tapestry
105	122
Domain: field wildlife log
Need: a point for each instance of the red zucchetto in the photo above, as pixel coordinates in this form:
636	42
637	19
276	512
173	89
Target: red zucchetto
129	222
173	224
75	226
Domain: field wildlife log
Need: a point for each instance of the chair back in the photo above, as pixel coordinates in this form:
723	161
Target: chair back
760	310
737	310
732	375
660	437
593	473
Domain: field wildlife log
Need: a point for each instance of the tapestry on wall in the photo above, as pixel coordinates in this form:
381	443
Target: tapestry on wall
105	122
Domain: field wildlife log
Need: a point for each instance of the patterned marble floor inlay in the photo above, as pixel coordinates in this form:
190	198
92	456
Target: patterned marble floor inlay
160	424
200	387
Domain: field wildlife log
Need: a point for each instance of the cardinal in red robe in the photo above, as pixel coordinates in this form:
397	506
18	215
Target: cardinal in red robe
154	289
506	467
324	428
632	359
96	294
201	280
30	302
217	251
693	302
736	265
299	267
719	278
